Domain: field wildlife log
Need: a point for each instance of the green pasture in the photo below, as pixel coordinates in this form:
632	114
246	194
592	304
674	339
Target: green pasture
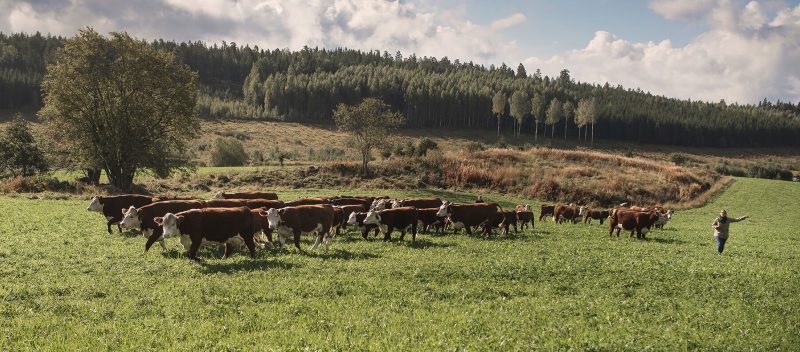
68	285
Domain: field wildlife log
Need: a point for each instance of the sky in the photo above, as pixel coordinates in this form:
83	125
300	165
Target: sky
736	50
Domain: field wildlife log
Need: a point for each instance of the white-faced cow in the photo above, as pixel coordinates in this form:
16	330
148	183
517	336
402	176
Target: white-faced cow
571	212
357	219
419	203
504	219
342	214
245	195
633	221
299	220
143	218
223	225
402	219
428	218
112	206
470	215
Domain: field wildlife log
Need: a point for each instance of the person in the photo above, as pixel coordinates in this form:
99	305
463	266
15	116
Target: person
721	227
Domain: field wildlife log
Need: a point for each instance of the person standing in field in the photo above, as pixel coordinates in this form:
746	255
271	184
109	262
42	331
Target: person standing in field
721	227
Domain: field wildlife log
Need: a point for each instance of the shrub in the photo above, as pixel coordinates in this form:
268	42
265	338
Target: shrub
19	154
326	153
678	158
242	136
424	145
726	168
228	152
769	171
474	147
280	155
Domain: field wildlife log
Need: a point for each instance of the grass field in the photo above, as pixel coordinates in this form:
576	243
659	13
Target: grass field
67	285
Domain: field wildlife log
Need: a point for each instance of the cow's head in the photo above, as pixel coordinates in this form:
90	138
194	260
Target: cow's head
273	217
527	207
373	218
396	203
581	210
353	219
444	209
169	222
668	214
378	204
219	195
95	205
130	218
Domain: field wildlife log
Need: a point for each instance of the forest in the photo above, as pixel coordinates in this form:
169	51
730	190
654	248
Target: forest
244	82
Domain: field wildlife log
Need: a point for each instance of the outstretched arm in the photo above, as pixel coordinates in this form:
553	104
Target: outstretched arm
739	218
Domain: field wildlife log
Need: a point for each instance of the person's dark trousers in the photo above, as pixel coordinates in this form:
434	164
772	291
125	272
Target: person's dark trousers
720	244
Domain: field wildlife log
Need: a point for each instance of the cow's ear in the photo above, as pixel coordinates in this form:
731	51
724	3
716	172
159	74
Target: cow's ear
124	211
262	213
159	220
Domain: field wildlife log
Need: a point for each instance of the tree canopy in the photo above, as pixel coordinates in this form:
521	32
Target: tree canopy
118	104
370	123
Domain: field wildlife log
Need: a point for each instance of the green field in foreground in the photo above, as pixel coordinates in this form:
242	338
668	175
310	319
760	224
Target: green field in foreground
67	285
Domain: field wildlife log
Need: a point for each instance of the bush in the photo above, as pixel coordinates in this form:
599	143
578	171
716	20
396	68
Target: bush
726	168
280	155
19	154
326	153
474	147
242	136
769	171
424	145
679	159
228	152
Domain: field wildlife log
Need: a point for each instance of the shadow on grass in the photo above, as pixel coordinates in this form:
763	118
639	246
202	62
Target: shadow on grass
227	267
341	254
665	240
422	243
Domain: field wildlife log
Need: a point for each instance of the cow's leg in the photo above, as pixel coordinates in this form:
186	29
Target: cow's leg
192	253
402	234
251	245
297	240
228	249
468	229
413	232
327	240
388	235
365	233
119	227
163	244
108	225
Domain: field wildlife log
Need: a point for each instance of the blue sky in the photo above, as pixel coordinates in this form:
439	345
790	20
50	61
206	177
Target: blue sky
737	50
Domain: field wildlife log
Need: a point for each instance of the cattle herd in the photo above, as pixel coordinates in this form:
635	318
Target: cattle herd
251	218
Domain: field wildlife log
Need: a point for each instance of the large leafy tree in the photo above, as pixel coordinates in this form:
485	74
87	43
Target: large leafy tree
120	105
370	123
19	153
554	113
520	107
537	111
499	102
569	111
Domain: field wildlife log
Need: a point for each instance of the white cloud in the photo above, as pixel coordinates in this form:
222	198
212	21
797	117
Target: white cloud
744	57
681	9
360	24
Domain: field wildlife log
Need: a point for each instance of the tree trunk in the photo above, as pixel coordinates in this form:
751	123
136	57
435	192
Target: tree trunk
498	126
552	131
364	160
565	129
122	179
536	133
93	175
592	134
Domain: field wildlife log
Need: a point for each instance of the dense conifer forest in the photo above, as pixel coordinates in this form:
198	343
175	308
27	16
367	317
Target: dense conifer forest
254	83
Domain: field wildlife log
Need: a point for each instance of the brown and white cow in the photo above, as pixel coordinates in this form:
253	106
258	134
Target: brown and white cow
633	221
666	215
245	195
223	225
428	218
112	207
401	219
547	210
589	214
357	219
304	219
470	215
419	203
366	202
570	212
143	218
524	216
342	214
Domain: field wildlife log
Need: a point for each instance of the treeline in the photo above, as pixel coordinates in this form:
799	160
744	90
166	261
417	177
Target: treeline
306	85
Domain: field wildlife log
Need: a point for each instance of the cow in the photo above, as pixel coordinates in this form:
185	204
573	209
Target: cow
357	219
662	220
570	212
142	218
547	210
524	216
366	202
401	219
632	220
419	203
504	219
224	225
112	207
380	204
245	195
601	215
470	215
303	219
306	201
342	214
428	217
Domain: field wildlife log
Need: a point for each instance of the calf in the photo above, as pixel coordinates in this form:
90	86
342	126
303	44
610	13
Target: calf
245	195
418	203
632	220
547	210
570	212
428	217
303	219
524	216
470	215
357	219
342	214
222	225
601	215
662	220
112	207
504	219
388	220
